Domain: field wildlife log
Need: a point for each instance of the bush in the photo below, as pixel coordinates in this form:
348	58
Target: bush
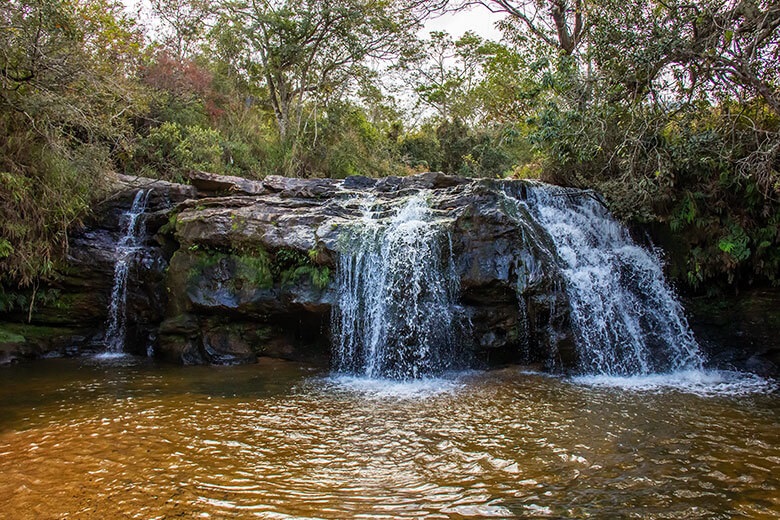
45	188
171	151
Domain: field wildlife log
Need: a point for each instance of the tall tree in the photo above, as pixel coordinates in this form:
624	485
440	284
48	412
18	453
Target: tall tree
560	24
182	24
308	50
444	73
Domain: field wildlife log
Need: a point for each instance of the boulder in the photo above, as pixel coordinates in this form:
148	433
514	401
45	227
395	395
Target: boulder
209	184
739	331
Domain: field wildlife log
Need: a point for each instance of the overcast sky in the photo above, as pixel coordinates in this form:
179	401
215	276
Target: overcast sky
478	19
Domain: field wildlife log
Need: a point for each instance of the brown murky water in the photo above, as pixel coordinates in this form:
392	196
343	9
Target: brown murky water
130	439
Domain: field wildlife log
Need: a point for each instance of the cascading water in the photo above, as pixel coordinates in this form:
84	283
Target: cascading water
397	283
626	319
133	231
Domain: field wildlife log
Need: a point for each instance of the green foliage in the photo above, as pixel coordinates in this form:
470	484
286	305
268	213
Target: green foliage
444	74
171	151
319	276
11	301
8	336
21	333
290	265
20	300
249	267
455	148
420	150
252	266
6	249
349	144
671	110
65	107
169	227
254	269
44	189
735	244
203	262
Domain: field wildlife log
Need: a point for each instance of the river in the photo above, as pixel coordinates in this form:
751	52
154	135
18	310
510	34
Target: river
125	437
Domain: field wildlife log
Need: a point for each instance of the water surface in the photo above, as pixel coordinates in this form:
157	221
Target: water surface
125	438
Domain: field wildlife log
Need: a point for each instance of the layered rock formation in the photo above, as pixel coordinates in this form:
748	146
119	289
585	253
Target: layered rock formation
234	269
255	269
69	317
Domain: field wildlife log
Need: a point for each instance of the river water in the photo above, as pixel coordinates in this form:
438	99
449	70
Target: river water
127	438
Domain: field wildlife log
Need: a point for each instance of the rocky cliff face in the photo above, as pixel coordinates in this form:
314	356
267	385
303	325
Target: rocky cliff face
741	331
233	269
70	318
254	272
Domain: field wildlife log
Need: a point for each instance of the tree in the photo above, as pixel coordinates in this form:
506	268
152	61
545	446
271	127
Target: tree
182	24
444	74
311	51
559	24
705	49
66	102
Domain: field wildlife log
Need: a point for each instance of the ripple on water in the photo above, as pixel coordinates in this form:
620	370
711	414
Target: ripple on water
274	442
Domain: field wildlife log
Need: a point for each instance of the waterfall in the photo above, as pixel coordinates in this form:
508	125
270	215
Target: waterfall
397	285
625	317
133	231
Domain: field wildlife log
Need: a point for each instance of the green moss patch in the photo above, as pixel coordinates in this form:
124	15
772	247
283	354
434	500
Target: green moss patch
22	332
255	267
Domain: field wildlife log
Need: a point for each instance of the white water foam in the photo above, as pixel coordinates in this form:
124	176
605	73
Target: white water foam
113	359
626	318
111	355
381	388
704	383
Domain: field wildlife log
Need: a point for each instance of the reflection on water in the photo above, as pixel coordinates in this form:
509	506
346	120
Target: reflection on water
124	438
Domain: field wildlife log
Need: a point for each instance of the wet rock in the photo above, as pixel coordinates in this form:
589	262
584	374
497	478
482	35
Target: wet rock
79	297
359	182
435	180
192	339
739	331
390	184
233	269
232	254
164	193
289	187
21	341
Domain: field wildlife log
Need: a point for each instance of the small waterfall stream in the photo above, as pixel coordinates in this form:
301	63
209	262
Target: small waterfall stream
397	284
627	320
133	231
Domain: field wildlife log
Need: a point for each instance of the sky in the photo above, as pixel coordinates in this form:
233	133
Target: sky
477	19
